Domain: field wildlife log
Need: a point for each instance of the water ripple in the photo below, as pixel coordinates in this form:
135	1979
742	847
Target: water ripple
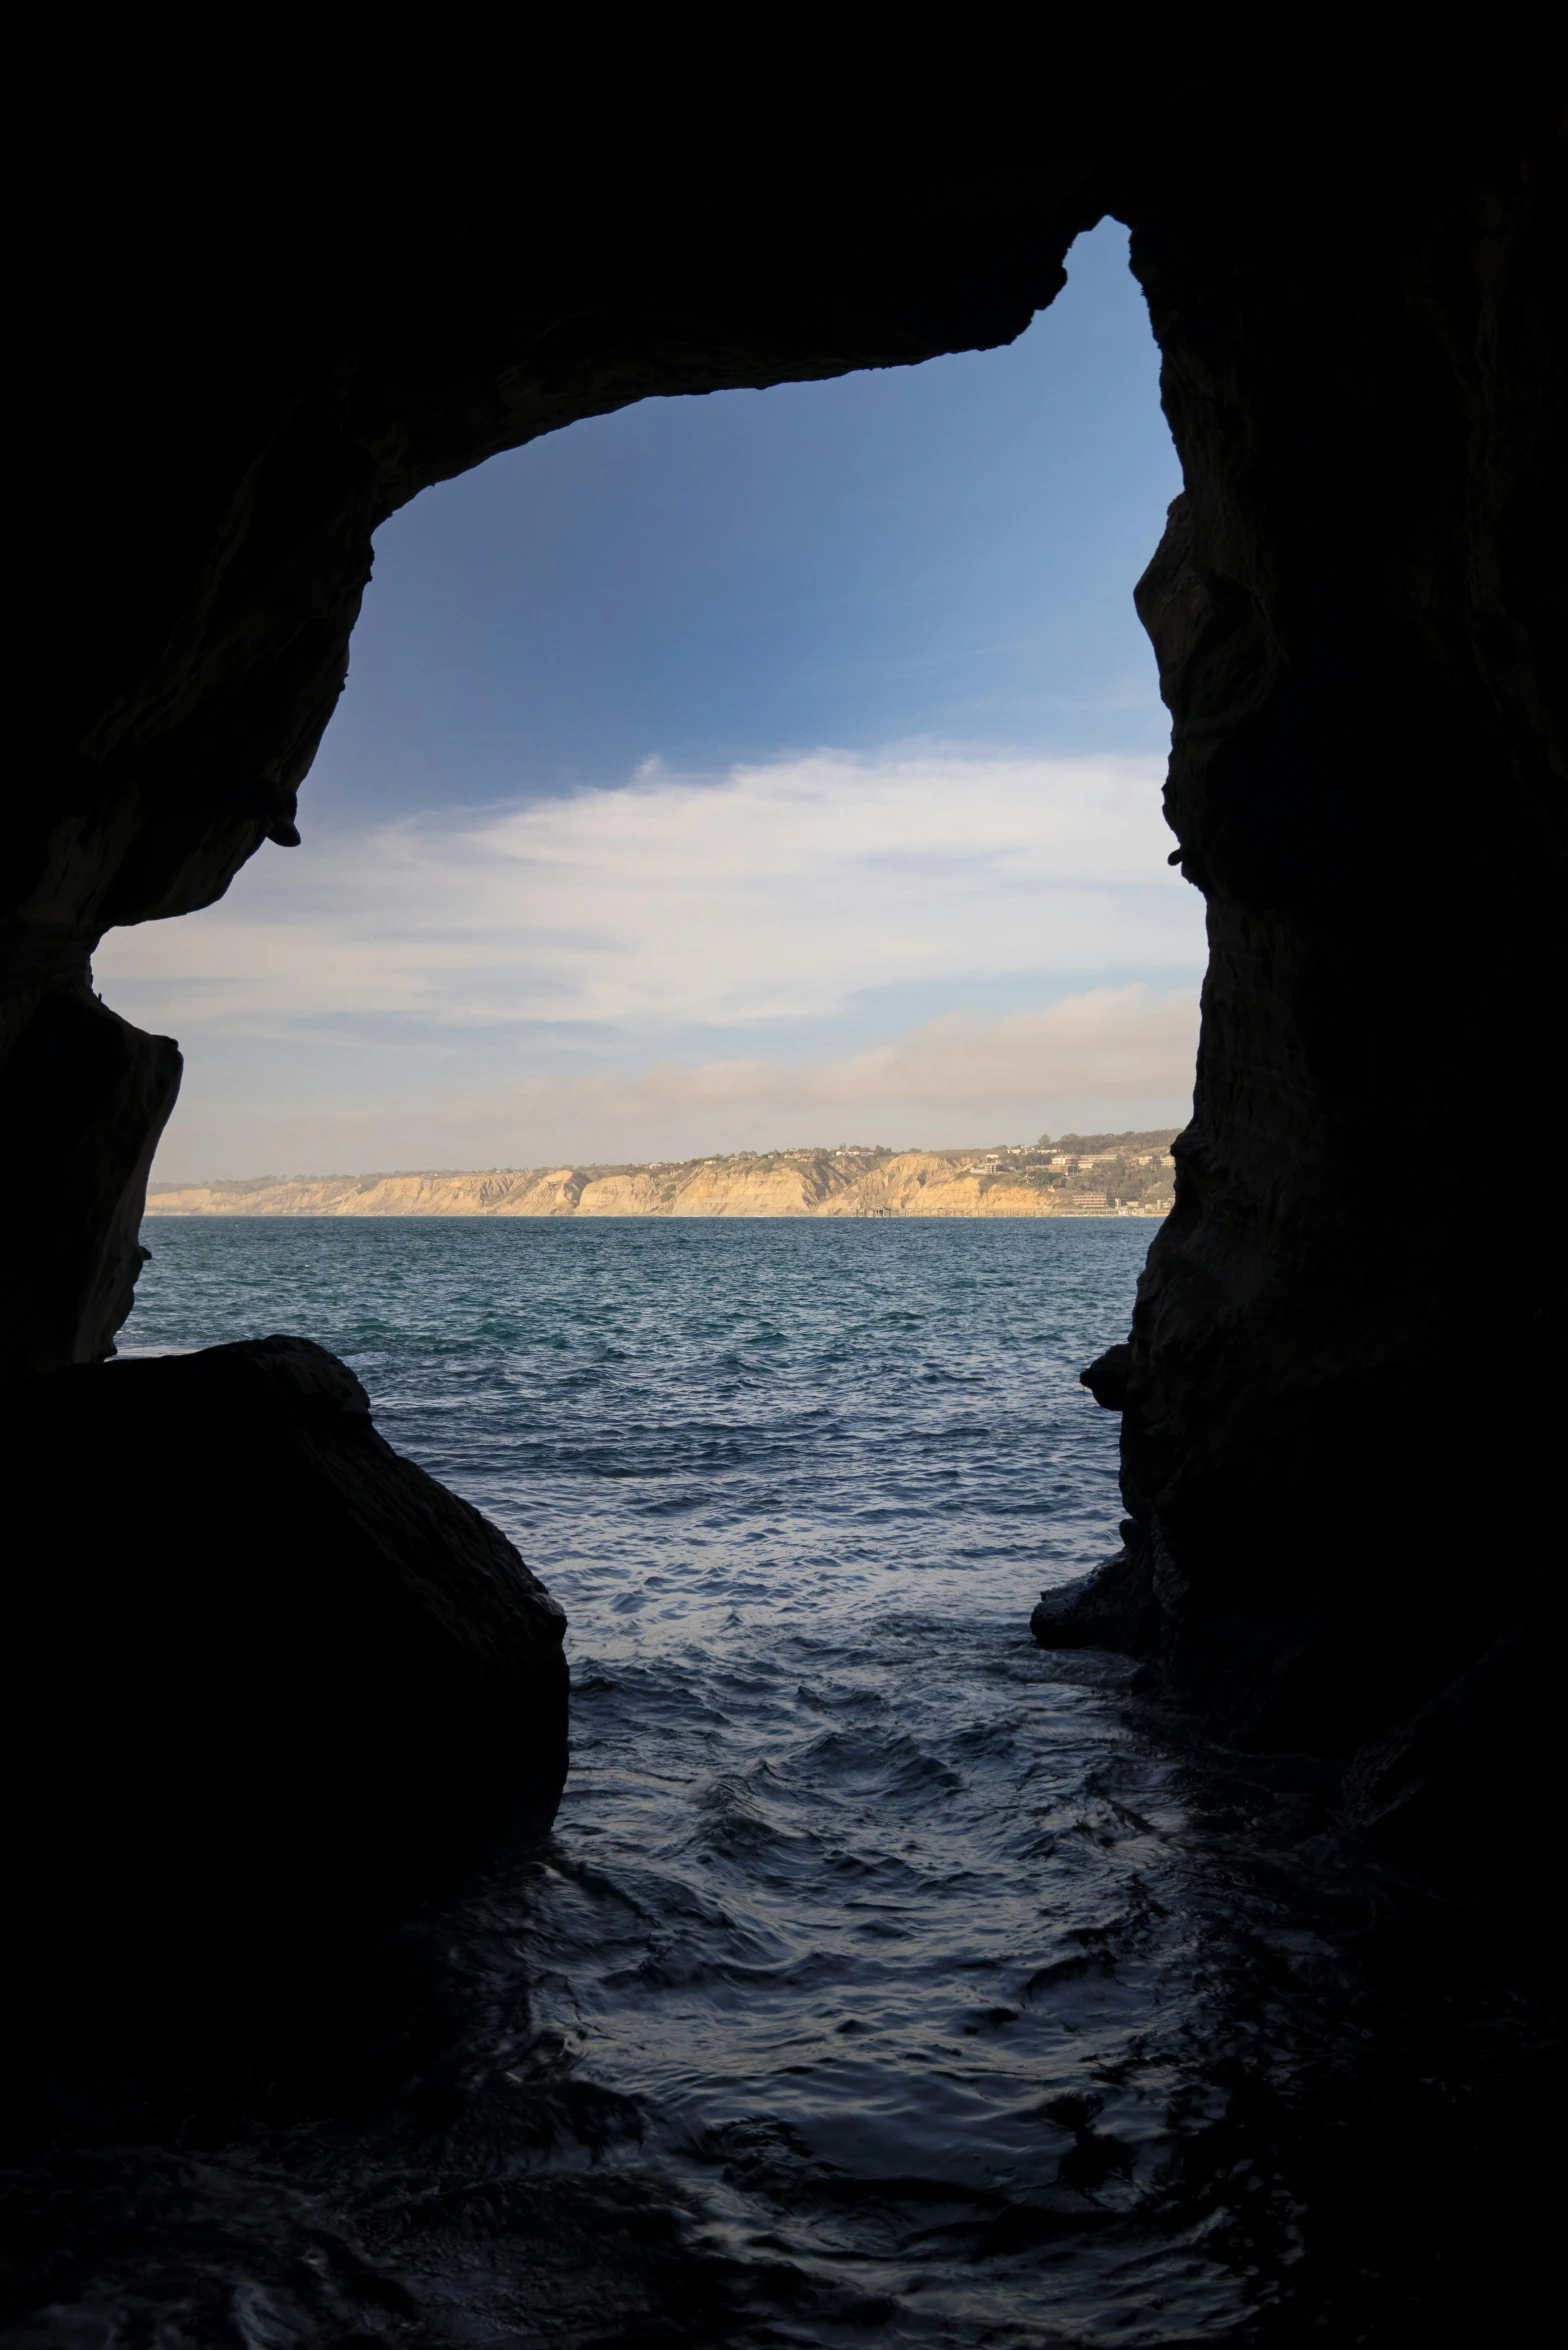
886	1980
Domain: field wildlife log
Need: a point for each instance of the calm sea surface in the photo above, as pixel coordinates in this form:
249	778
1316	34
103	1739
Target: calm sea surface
880	1982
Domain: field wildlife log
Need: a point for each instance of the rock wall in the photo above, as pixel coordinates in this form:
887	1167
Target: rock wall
86	1097
1352	609
1354	261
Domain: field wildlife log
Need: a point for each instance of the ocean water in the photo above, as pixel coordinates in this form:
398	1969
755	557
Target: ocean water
886	1979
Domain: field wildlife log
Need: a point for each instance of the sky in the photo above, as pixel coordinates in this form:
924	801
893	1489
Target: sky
734	772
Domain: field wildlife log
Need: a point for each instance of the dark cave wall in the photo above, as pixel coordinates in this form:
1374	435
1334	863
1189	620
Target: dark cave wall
1355	281
1341	1349
95	1093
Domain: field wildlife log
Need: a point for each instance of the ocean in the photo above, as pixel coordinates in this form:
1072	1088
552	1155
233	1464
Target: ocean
886	1979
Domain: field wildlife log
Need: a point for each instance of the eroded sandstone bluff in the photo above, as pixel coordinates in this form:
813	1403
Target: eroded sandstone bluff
1132	1180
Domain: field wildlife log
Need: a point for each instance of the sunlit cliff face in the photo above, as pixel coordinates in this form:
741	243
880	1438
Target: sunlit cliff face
1011	1182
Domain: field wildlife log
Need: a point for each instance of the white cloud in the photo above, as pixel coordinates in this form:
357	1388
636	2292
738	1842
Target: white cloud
545	981
1109	1058
776	893
1110	1044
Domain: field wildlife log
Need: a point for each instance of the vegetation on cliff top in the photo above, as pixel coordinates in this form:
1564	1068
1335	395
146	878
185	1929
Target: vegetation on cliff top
1076	1175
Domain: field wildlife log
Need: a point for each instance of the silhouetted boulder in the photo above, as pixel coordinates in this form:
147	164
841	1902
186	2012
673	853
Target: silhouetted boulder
1110	1607
258	1666
1106	1378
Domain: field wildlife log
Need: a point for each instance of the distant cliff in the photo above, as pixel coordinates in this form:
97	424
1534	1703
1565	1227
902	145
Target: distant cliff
1126	1174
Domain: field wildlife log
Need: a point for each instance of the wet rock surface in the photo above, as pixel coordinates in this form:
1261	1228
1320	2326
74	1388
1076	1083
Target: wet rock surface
262	1674
1110	1607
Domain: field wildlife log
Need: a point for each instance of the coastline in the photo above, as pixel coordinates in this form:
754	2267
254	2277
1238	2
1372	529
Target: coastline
799	1184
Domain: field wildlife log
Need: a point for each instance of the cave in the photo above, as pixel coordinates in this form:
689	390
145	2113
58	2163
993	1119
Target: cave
1337	1373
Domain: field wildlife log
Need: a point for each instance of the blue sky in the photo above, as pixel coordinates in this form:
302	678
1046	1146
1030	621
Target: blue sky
723	770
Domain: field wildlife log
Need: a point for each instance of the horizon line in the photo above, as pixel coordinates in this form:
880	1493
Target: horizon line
1073	1143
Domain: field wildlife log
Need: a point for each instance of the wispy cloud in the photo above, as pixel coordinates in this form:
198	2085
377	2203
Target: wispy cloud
774	893
1109	1057
1108	1044
689	963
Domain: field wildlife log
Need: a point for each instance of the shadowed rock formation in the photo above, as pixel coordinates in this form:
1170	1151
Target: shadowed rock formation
102	1090
1353	608
258	1668
1354	263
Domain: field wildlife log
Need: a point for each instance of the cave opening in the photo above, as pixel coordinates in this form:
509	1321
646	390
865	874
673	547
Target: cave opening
1299	1823
716	746
891	1419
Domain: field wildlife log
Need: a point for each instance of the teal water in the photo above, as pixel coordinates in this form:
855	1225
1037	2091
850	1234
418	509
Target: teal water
866	1990
810	1417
